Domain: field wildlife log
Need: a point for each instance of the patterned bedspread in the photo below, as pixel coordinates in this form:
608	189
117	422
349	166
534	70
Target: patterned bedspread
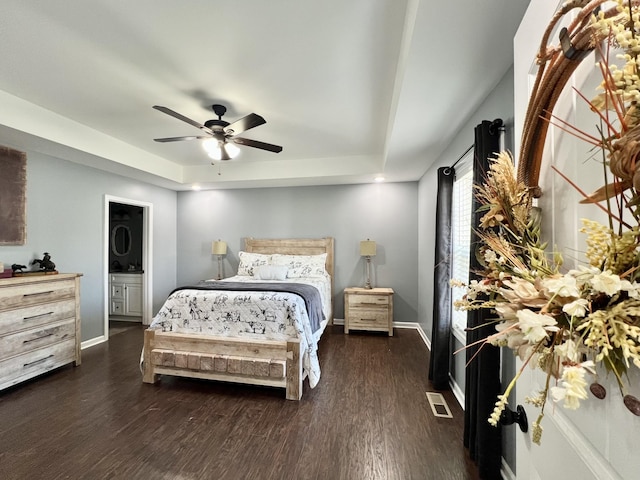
249	314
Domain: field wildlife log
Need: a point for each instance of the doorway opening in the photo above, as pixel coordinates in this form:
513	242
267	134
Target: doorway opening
127	264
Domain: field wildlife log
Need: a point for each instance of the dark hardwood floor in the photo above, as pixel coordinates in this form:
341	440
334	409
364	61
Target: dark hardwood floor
369	418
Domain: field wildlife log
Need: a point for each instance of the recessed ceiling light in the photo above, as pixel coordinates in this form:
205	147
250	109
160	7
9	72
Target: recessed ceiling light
196	187
379	179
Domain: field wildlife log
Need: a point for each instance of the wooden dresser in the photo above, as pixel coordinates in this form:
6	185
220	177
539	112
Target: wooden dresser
39	325
368	309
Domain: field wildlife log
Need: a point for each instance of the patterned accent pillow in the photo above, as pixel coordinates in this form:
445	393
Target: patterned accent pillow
249	261
302	266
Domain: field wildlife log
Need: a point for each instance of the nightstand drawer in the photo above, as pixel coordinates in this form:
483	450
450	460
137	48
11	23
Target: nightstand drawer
368	301
364	318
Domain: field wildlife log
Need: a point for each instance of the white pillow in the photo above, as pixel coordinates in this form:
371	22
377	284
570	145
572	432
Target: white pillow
301	266
270	272
249	261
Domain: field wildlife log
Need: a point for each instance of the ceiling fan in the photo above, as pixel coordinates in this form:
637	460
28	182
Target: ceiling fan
220	138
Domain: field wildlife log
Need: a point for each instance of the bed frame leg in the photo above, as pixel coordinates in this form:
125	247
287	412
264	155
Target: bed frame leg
147	368
294	371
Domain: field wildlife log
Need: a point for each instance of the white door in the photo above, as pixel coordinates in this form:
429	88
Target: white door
600	440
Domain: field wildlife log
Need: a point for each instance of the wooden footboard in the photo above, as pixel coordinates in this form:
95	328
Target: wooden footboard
255	362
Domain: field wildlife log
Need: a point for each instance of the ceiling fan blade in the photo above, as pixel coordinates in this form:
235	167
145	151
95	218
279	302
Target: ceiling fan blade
245	123
178	139
256	144
179	116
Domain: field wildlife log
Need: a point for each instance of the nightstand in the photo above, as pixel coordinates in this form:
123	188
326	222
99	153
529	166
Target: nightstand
368	309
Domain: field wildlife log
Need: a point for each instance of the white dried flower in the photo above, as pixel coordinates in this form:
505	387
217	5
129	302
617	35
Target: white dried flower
490	256
568	350
535	326
565	285
606	282
502	402
522	291
633	289
572	387
577	308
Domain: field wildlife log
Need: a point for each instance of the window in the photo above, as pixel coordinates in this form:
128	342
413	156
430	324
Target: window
461	238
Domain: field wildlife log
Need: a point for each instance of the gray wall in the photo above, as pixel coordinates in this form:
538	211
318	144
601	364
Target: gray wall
65	217
497	105
386	213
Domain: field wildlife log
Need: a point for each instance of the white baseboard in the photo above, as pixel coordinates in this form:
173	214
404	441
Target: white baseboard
457	392
414	326
411	325
506	472
93	341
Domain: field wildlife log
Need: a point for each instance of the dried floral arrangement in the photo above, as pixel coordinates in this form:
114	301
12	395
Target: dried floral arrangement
571	325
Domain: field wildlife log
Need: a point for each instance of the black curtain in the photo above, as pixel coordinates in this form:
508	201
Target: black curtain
482	379
441	329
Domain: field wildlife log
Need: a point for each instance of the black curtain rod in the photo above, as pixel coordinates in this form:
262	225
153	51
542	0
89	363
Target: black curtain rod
463	155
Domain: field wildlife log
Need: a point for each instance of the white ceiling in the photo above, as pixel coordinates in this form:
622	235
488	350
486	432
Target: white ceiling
350	88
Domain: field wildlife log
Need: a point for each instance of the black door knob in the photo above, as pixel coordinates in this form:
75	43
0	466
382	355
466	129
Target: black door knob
509	417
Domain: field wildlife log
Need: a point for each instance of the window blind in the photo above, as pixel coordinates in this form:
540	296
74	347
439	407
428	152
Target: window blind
461	237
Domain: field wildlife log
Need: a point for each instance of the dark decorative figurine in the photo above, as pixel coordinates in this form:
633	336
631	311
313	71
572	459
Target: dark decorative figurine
17	268
45	264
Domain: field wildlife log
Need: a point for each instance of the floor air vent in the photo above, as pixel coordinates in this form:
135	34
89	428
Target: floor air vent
439	405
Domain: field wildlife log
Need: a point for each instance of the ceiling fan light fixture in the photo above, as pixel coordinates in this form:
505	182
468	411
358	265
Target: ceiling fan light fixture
210	145
232	150
223	151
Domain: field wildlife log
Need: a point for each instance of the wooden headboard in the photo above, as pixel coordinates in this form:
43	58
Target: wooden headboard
295	246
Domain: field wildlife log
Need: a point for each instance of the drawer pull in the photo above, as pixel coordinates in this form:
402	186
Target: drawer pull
38	338
37	316
37	293
35	362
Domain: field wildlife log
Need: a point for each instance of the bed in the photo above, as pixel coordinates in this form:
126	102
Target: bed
269	339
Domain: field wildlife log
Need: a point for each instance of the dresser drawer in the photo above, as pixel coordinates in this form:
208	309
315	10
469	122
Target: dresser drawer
368	301
35	316
30	294
22	367
35	338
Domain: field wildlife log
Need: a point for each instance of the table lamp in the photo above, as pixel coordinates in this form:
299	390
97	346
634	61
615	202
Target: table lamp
368	250
219	248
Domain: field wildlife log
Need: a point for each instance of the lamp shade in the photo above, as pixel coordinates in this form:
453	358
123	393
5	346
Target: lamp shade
367	248
219	248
